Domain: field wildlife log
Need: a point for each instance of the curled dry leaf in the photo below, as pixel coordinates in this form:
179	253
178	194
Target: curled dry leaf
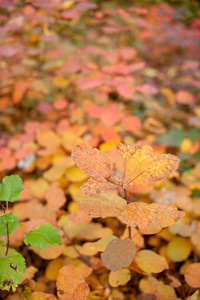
150	218
192	275
150	261
103	205
118	254
92	161
93	186
71	285
174	281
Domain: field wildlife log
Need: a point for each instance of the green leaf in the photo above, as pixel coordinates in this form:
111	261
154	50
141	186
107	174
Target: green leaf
9	219
3	250
43	235
10	188
11	268
173	138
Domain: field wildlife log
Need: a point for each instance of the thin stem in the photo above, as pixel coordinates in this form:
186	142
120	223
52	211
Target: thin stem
124	167
190	292
112	177
132	194
137	176
184	296
126	196
129	227
8	242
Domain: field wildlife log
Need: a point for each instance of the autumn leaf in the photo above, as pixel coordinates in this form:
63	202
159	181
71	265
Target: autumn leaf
150	218
92	161
55	197
174	281
179	249
93	186
192	275
71	285
42	296
150	261
153	286
118	254
103	205
119	277
142	165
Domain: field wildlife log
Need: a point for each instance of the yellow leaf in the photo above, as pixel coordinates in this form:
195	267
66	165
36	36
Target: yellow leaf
60	82
55	173
150	261
143	166
67	4
53	268
71	252
186	145
179	249
70	140
119	277
74	174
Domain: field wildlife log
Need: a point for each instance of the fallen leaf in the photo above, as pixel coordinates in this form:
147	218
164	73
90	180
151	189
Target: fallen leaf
118	254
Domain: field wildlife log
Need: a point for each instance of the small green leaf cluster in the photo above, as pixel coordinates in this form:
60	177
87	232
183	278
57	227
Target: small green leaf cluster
12	265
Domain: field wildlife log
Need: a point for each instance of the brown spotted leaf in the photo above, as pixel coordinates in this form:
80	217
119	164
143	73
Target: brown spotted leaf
162	167
71	285
143	166
127	151
93	186
103	205
118	254
92	161
150	218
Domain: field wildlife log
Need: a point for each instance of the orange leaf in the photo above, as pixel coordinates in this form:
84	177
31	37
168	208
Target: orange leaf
92	186
92	161
132	123
41	296
192	275
71	285
150	218
55	197
103	205
153	286
118	254
150	261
